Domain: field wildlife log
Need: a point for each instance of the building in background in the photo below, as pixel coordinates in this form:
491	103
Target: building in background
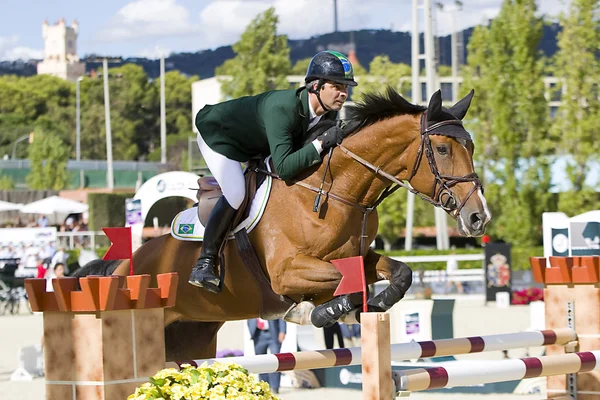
60	51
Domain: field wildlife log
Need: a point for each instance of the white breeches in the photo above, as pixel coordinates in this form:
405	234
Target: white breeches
228	173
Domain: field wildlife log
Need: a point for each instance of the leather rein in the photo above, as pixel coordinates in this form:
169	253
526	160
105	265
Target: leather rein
441	197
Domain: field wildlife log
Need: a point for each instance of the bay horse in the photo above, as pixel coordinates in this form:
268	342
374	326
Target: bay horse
390	141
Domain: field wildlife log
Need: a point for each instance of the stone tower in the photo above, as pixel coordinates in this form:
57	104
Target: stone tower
60	51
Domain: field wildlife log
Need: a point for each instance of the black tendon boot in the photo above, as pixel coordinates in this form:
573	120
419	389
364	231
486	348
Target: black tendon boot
326	314
217	227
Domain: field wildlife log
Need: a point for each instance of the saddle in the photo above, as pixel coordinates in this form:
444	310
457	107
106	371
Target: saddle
272	304
209	192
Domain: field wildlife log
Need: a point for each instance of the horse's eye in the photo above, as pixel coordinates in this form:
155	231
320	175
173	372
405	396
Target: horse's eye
442	150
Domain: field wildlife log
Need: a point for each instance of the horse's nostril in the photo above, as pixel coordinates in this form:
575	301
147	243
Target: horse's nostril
475	220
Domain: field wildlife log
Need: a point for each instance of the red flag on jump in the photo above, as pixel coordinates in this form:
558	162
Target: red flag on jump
353	277
121	246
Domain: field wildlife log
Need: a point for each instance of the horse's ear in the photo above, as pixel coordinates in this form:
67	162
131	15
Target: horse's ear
435	107
459	110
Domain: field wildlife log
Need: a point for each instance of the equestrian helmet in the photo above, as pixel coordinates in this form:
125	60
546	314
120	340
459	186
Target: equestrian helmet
331	66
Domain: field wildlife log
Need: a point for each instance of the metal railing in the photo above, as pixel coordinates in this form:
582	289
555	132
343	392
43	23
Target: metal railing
82	239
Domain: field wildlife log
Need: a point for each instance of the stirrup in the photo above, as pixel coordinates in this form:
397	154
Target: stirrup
203	276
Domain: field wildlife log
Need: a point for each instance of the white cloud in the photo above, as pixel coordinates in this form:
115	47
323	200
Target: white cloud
148	18
11	51
221	22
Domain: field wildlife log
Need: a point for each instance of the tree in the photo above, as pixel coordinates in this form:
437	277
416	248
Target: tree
383	73
301	66
6	182
510	115
48	157
178	102
578	117
262	60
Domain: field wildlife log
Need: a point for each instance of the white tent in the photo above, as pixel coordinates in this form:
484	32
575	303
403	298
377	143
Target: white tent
54	205
6	206
56	208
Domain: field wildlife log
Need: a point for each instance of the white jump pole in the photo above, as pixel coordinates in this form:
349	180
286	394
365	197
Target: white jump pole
455	373
399	352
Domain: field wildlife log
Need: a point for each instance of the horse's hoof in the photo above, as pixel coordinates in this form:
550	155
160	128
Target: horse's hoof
299	313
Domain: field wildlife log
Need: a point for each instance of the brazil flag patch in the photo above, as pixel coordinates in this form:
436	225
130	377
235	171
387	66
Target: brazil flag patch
185	229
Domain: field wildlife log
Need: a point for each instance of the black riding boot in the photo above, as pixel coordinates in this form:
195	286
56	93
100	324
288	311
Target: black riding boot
217	227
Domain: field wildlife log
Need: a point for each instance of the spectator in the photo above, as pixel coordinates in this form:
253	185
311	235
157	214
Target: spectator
42	221
268	335
69	224
351	332
330	333
41	269
60	257
58	271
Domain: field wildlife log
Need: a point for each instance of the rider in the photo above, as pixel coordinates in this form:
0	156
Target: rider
275	123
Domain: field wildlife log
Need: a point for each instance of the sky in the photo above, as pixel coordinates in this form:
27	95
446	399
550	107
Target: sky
149	28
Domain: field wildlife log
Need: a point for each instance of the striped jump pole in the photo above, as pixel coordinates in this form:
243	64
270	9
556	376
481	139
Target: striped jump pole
399	352
457	374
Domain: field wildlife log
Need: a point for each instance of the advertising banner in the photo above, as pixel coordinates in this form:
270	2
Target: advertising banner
498	274
16	236
585	238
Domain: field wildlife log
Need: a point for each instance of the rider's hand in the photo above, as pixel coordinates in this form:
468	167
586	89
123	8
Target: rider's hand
331	138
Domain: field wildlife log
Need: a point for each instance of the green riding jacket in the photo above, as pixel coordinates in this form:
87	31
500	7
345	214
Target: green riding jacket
272	123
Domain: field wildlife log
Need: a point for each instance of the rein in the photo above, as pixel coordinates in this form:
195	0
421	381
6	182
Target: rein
442	195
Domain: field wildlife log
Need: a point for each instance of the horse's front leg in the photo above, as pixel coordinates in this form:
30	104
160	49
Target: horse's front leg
396	272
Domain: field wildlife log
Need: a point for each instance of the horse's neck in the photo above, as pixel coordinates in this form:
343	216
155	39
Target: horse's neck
382	144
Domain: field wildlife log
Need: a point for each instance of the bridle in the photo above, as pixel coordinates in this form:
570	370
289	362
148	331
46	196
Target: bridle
442	195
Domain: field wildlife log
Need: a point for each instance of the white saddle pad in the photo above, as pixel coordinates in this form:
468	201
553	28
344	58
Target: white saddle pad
187	226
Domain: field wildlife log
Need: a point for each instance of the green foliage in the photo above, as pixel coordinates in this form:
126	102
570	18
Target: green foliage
262	59
509	120
577	202
107	209
301	66
41	101
444	70
48	157
392	216
6	182
47	103
578	118
384	73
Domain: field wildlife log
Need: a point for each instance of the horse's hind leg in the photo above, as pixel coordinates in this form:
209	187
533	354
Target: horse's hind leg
191	340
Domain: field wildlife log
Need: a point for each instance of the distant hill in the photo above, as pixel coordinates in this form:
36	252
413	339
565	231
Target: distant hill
368	44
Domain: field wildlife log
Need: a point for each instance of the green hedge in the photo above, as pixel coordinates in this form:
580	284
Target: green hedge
107	209
520	257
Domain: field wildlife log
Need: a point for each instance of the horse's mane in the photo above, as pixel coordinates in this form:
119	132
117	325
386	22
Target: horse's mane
373	107
376	107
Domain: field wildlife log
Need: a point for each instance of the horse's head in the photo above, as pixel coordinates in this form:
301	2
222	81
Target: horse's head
443	165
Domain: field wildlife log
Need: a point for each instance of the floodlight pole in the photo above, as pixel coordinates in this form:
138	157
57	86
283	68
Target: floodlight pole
163	122
110	182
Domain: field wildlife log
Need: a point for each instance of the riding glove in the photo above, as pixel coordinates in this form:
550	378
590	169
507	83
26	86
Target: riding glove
331	138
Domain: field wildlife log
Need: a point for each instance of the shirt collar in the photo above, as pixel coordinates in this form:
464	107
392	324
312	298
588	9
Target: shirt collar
311	113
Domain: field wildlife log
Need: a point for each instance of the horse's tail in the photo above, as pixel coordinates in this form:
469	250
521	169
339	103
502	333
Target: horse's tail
97	267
